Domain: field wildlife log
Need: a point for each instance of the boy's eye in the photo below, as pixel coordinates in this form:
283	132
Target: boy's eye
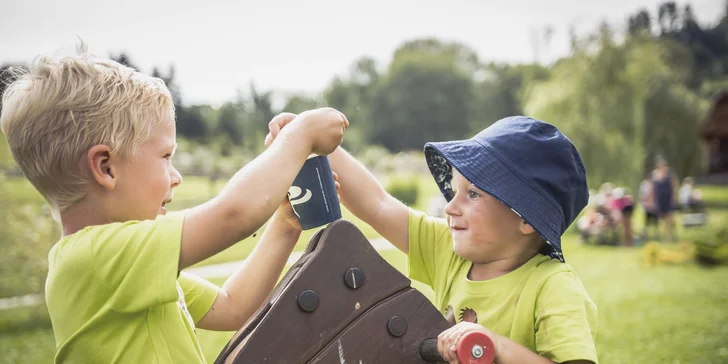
168	156
473	194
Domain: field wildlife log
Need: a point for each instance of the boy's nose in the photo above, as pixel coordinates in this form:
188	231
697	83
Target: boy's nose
452	209
176	177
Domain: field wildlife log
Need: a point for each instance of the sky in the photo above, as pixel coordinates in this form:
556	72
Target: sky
297	46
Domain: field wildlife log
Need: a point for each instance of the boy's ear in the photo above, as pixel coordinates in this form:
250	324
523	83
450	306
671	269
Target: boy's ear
100	163
526	228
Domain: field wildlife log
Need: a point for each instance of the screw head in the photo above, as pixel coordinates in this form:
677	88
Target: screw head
397	326
308	300
477	351
354	278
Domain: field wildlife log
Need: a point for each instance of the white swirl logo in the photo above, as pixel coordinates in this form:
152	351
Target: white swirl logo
297	196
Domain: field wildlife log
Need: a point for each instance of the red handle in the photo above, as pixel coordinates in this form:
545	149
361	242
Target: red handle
475	348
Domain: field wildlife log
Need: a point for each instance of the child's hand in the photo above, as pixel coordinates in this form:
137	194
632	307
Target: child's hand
447	341
324	127
285	212
275	126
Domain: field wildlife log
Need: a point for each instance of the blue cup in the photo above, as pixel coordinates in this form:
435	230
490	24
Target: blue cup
313	194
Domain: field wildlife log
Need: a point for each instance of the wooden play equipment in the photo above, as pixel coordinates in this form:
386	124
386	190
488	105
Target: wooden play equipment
341	302
714	133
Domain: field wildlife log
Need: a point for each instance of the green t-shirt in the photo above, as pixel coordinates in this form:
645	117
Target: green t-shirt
542	305
114	295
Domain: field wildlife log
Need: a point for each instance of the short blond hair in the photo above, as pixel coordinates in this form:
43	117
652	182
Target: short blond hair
60	107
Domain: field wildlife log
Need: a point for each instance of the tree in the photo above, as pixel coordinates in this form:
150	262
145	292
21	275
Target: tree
500	92
191	123
621	105
230	123
299	103
424	96
641	22
353	95
256	121
667	15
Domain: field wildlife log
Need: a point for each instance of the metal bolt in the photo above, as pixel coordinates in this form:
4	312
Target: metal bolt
354	278
477	351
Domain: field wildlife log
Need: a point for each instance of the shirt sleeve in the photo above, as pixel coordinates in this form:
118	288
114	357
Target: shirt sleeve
566	320
430	248
199	293
137	262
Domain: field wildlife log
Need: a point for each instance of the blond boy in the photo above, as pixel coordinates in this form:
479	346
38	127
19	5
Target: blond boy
96	139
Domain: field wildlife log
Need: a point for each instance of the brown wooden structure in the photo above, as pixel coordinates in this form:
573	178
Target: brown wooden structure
341	302
715	134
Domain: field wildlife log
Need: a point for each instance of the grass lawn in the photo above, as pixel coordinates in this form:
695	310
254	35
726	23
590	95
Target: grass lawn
663	314
647	314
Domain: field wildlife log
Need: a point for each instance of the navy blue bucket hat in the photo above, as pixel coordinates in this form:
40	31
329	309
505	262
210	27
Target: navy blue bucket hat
527	164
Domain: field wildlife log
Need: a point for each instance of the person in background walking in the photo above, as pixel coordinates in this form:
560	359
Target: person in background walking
665	188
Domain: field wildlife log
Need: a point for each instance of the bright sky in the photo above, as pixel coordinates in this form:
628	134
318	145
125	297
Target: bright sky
293	45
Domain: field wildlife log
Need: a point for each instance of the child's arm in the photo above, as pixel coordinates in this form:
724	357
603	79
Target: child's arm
507	351
365	197
253	193
245	290
362	194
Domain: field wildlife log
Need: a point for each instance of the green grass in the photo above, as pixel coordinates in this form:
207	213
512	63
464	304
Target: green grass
32	346
715	196
663	314
660	314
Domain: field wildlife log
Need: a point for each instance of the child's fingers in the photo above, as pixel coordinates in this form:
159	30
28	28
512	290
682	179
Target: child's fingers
274	127
336	176
277	123
346	121
338	185
281	120
445	344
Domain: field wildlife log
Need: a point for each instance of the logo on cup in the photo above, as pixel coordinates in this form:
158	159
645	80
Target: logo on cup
297	196
313	194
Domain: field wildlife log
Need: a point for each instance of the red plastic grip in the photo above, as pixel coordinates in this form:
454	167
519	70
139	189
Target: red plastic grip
476	348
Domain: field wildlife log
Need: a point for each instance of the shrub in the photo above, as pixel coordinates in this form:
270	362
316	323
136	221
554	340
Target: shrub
404	189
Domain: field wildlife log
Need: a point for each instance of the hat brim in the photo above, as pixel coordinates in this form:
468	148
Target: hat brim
482	167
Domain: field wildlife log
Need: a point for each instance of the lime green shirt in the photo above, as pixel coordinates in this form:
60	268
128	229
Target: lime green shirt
114	295
541	305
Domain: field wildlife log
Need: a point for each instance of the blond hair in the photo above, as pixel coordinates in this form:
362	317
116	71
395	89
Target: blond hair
59	108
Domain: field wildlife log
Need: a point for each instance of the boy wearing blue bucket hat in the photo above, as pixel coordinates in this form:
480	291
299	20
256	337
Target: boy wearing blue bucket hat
495	263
